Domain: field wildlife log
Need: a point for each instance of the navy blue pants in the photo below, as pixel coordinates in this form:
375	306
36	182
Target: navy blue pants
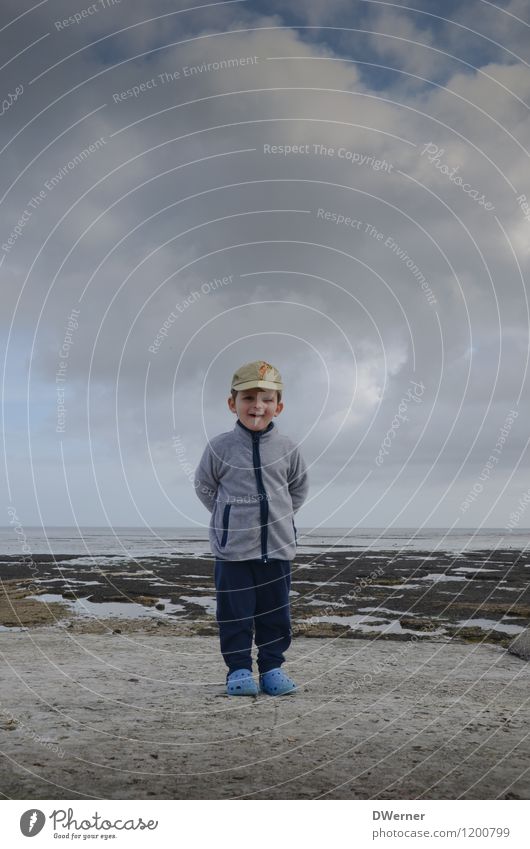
253	597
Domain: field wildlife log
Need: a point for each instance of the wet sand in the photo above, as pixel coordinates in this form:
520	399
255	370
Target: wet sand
144	715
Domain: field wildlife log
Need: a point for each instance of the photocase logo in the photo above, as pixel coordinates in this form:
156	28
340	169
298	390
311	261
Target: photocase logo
31	822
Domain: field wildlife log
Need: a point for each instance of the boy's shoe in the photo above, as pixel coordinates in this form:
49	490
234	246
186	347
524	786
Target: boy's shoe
241	683
276	683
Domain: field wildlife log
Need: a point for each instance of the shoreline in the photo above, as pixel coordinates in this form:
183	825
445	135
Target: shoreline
483	596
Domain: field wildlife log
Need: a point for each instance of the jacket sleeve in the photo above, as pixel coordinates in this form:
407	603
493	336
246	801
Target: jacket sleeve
298	481
206	481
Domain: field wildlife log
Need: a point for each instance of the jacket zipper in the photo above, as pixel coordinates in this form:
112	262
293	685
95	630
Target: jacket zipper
263	504
226	515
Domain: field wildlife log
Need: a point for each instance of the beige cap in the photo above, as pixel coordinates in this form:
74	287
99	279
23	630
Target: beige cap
257	375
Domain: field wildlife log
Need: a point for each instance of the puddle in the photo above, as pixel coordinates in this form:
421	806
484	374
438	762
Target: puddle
420	557
109	609
362	623
66	581
325	583
316	602
436	577
96	560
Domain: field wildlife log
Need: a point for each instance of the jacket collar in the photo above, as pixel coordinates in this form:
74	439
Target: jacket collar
255	435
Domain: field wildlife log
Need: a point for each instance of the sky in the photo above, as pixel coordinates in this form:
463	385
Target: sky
338	188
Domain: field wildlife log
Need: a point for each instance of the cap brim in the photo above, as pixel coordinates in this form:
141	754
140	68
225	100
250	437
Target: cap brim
258	384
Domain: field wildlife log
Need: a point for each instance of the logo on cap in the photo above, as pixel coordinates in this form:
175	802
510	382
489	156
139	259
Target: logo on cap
259	375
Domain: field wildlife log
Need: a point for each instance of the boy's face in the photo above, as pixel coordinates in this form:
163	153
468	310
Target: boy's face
255	408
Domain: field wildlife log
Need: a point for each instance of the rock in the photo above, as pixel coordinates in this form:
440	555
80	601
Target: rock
391	582
146	600
521	646
416	623
474	634
205	631
160	606
320	629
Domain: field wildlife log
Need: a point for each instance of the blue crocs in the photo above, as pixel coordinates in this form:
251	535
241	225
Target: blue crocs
241	683
276	683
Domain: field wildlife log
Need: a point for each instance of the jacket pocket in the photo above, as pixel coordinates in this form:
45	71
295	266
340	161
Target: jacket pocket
226	519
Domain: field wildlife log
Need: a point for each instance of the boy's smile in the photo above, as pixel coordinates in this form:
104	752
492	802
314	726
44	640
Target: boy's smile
255	408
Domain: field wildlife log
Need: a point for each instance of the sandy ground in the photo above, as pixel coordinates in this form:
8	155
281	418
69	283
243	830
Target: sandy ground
142	714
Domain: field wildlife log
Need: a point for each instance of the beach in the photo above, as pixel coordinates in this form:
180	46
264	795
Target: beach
113	685
144	715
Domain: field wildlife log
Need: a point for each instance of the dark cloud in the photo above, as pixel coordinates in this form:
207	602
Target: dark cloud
169	214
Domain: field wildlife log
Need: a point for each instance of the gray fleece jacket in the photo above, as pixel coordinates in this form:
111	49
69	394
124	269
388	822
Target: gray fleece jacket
252	483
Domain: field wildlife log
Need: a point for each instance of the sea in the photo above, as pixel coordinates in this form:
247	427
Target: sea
138	542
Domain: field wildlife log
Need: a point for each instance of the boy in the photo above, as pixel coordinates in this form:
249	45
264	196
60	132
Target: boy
253	479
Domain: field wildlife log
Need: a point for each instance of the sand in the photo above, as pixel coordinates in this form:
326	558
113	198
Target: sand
142	714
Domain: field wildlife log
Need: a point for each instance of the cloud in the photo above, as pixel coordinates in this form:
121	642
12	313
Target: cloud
279	167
